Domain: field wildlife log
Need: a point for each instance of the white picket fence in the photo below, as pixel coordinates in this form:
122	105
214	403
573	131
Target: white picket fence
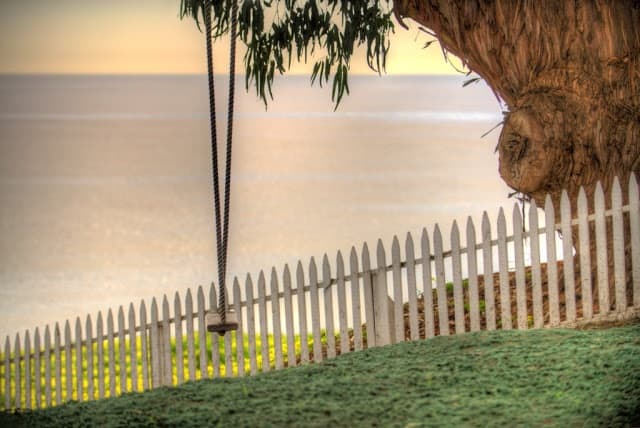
314	315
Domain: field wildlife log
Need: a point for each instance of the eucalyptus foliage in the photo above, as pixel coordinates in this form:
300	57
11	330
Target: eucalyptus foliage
277	32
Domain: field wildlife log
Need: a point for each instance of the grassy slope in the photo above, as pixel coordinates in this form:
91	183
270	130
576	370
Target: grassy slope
504	378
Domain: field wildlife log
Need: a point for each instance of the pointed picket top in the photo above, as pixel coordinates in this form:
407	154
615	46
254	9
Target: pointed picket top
78	329
67	330
455	231
36	337
425	249
274	285
27	344
47	334
261	280
300	275
502	223
471	233
634	194
395	248
353	261
533	213
598	196
616	192
286	275
326	270
131	315
339	265
121	317
188	302
408	244
200	298
366	259
313	271
177	307
382	263
237	295
437	238
87	327
154	311
634	220
486	224
213	301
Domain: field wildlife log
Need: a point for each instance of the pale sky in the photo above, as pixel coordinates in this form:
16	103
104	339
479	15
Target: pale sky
145	36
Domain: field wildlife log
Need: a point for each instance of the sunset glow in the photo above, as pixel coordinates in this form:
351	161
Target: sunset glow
146	37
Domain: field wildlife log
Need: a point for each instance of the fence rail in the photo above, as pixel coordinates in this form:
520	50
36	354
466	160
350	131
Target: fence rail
319	312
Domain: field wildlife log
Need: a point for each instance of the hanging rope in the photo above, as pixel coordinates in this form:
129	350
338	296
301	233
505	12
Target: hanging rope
222	228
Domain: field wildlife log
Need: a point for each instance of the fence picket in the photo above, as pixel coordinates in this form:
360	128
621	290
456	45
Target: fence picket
262	311
585	257
202	334
398	299
412	294
177	316
89	349
521	292
503	256
47	367
288	317
275	319
618	246
634	220
536	273
443	314
191	345
342	306
7	373
302	314
37	370
251	325
228	354
167	371
16	371
601	250
367	283
100	355
27	370
237	306
122	351
144	350
315	311
215	346
427	284
328	307
58	358
133	349
458	293
552	266
472	269
355	300
567	256
69	362
156	355
487	260
111	354
385	331
79	377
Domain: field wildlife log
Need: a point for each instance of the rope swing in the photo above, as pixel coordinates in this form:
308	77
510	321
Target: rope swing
225	319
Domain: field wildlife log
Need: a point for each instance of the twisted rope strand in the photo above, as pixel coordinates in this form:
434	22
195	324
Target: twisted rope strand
227	188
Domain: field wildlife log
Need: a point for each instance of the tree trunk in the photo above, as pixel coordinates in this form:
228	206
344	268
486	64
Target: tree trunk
569	72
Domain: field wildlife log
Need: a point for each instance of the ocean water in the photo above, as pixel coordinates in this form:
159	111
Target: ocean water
105	182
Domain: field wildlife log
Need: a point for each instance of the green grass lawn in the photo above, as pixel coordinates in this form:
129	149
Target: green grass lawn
503	378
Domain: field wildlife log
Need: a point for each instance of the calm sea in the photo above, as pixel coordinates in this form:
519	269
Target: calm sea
105	185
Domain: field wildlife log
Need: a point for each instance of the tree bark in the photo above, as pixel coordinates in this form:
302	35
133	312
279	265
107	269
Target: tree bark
569	73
